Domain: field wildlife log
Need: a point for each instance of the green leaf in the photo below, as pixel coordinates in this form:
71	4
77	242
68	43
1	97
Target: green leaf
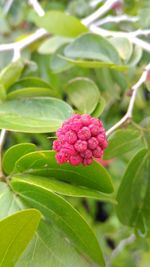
60	212
83	93
36	115
11	73
92	47
59	64
59	23
63	188
2	92
31	92
121	142
134	194
9	203
43	163
136	56
93	64
16	231
123	46
14	153
51	246
50	45
99	108
29	82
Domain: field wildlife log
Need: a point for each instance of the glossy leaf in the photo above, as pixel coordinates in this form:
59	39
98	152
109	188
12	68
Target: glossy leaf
11	73
57	210
43	163
63	188
59	23
37	115
50	45
14	153
84	94
134	194
121	142
92	47
16	231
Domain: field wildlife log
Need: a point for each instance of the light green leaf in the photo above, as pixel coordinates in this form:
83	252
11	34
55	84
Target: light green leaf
57	210
59	23
14	153
2	92
50	45
9	202
134	194
59	64
31	92
93	64
51	246
136	56
63	188
11	73
121	142
43	163
36	115
83	93
16	231
123	46
29	82
92	47
99	108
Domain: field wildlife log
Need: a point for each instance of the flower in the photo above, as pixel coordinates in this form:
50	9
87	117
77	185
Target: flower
80	139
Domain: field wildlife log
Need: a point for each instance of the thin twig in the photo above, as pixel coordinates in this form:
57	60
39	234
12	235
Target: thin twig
94	3
116	19
37	7
132	36
127	117
2	139
99	12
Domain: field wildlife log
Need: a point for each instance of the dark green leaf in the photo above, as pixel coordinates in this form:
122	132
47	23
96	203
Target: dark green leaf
43	163
36	115
134	194
63	188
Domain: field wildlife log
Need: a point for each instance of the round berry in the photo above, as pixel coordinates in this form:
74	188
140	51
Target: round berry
84	134
70	137
57	145
94	129
75	160
86	119
92	143
87	154
80	146
87	161
97	153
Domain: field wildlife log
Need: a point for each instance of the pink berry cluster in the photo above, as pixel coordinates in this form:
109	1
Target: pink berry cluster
80	139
